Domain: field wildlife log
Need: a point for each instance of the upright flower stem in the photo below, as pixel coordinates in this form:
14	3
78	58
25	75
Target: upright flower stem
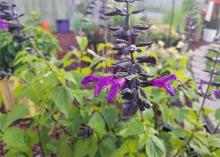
129	37
132	55
209	83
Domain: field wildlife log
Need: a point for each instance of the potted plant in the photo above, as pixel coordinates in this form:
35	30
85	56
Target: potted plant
63	25
211	21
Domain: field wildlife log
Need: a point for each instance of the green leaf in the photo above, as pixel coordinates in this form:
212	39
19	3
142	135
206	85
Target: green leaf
5	38
82	41
70	77
110	115
13	153
107	147
62	99
199	147
14	138
134	127
64	148
97	123
155	147
95	61
129	146
214	140
85	147
165	113
19	111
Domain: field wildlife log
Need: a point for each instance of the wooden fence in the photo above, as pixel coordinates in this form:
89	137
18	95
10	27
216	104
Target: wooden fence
51	10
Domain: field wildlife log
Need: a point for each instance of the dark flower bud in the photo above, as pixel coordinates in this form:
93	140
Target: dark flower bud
141	27
127	93
88	12
131	69
133	33
116	12
143	94
144	83
85	132
138	68
138	50
114	28
147	59
120	1
13	27
142	44
123	64
5	6
119	46
122	41
20	38
146	75
124	51
122	74
137	11
119	32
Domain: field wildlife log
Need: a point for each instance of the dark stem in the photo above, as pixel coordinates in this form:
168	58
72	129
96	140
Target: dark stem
54	119
209	84
40	141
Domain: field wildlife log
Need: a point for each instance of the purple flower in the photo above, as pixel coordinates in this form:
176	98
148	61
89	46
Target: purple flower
104	81
164	82
3	24
201	83
216	92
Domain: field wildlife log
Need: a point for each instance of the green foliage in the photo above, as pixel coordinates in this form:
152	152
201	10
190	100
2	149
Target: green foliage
54	101
155	147
83	42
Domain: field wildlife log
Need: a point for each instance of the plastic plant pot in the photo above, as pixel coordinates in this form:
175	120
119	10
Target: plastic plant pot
209	34
63	26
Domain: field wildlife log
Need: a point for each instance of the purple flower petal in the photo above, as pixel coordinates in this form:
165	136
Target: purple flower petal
113	92
3	24
164	82
102	83
216	92
90	78
117	84
169	89
201	83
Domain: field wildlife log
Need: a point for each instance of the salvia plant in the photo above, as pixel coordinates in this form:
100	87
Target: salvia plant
128	75
105	25
11	30
192	23
89	10
212	90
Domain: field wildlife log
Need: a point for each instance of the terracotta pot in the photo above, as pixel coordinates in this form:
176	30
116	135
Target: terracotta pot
45	25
